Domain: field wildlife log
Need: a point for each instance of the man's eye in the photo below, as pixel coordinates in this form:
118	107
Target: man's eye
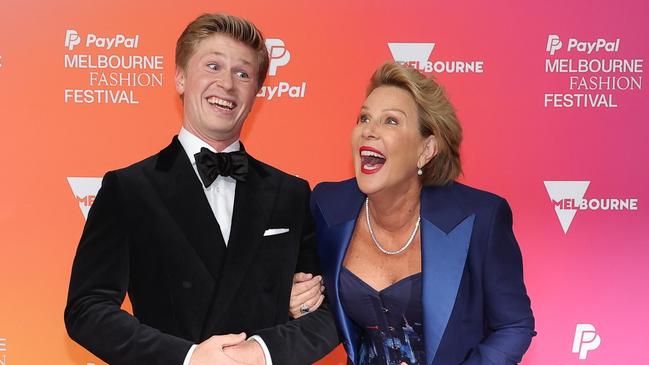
213	66
243	74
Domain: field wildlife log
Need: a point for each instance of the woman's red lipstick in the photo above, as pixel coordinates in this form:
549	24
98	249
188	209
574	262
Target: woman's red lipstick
372	160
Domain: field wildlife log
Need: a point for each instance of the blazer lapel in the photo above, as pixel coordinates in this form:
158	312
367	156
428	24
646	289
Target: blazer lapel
332	247
445	234
253	204
337	239
182	194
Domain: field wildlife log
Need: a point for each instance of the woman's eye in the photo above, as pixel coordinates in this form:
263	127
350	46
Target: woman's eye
363	119
391	121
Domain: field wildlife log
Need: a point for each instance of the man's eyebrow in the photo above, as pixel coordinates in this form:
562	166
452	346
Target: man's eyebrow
242	60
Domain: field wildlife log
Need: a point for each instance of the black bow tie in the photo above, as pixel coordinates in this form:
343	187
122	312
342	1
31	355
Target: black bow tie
210	165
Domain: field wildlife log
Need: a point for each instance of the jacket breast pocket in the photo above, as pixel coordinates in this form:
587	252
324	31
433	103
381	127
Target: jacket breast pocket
278	239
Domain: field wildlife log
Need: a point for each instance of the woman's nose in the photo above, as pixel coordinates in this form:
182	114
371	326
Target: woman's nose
369	130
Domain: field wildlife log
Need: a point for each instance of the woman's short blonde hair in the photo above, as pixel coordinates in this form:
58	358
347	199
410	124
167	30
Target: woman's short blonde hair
235	27
436	117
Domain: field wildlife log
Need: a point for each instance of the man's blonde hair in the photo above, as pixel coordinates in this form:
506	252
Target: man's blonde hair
235	27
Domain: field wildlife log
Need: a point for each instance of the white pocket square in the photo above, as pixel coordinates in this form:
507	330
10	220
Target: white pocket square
275	231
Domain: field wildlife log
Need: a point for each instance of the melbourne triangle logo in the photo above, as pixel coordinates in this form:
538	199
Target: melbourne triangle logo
566	197
85	189
413	54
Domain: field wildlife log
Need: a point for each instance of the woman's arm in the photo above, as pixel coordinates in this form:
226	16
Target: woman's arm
507	306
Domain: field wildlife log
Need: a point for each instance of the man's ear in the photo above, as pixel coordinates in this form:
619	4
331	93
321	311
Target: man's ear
180	81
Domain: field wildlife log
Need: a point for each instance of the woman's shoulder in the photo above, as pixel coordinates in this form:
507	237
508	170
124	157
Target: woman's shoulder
467	198
337	189
475	194
337	201
448	205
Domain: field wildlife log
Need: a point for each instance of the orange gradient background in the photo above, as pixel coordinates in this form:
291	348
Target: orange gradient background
594	274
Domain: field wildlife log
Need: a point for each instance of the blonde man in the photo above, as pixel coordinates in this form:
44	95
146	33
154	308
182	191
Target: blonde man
203	237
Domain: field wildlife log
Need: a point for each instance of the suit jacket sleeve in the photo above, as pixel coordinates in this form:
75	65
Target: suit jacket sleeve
98	285
507	306
310	337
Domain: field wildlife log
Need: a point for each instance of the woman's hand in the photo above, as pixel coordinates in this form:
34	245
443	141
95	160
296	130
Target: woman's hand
306	294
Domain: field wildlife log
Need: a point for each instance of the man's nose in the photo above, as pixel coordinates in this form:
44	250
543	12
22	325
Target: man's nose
226	81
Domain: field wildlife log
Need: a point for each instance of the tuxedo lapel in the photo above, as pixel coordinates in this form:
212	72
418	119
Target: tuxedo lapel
253	203
182	194
445	235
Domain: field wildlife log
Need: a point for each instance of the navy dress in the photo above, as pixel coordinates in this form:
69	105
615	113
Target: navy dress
390	320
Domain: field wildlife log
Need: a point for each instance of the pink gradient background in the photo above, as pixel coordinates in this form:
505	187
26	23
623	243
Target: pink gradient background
597	273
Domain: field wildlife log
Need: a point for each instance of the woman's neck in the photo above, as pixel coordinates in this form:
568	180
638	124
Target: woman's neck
393	210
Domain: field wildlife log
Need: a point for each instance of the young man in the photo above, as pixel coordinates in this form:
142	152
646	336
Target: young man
205	243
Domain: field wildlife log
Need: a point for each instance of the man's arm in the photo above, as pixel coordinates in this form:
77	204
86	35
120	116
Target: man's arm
98	285
306	289
214	350
308	338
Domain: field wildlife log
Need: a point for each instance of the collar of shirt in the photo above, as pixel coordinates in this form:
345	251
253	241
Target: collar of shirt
220	194
192	145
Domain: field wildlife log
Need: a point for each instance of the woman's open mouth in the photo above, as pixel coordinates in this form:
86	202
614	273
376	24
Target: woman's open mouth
372	160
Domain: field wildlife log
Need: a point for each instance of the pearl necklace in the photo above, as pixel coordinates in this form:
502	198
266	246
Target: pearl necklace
376	242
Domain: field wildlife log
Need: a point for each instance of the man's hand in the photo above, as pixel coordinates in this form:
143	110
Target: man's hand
306	293
210	351
247	352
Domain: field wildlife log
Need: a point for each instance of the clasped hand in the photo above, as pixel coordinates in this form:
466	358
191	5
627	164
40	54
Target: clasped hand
228	350
306	293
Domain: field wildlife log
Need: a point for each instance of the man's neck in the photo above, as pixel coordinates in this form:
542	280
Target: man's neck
218	144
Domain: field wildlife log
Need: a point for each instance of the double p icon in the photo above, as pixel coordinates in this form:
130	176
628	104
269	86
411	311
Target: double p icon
586	339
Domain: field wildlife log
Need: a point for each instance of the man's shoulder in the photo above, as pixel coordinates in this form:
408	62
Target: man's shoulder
274	173
137	168
162	159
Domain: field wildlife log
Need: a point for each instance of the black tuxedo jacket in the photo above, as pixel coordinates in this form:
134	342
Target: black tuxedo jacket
151	233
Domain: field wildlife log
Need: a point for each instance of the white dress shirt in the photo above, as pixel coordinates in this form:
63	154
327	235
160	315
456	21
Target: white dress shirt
220	196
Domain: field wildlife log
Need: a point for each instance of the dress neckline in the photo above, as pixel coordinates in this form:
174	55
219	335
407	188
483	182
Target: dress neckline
387	288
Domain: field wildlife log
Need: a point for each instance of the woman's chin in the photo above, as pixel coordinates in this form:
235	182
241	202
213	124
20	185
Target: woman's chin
369	185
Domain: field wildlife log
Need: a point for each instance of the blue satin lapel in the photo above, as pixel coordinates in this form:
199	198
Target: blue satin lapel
443	257
336	241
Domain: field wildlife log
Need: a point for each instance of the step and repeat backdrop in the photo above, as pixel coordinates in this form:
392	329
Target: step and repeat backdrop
552	97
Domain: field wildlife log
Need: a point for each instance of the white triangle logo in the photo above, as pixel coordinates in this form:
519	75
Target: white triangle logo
408	52
560	190
85	189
